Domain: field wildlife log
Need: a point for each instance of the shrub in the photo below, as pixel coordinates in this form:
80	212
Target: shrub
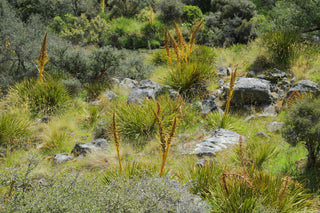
72	194
191	13
46	97
228	23
12	129
171	10
302	125
281	45
133	66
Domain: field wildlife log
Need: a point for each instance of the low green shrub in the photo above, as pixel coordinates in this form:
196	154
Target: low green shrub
73	86
13	129
46	97
281	45
171	10
77	194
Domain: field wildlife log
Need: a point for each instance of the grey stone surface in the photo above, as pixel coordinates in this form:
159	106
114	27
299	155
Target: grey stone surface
61	158
207	105
251	74
204	162
128	83
250	91
248	118
45	119
147	89
274	126
305	86
268	111
224	71
81	149
262	134
110	95
101	130
219	140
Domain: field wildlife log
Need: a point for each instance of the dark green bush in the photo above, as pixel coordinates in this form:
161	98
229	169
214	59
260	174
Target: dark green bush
302	125
228	23
281	45
73	86
171	10
191	13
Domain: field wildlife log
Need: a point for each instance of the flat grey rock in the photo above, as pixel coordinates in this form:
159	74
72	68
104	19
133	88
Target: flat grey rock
110	95
147	89
305	86
221	139
61	158
274	126
81	149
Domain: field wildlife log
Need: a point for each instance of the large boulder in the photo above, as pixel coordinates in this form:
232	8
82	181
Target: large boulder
219	140
81	149
305	86
128	83
250	91
146	89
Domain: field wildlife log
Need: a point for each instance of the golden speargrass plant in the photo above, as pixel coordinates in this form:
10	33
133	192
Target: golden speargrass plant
181	48
232	83
295	95
151	14
43	57
165	142
116	139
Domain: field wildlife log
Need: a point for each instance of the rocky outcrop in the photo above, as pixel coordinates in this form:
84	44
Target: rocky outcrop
81	149
61	158
110	95
250	91
305	86
207	105
219	140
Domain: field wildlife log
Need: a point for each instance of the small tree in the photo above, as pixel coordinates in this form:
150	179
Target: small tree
302	124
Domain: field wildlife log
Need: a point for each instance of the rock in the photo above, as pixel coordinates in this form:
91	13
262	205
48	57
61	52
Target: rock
261	76
148	89
269	111
95	103
167	90
275	75
81	149
274	126
128	83
221	82
305	86
61	158
224	71
251	74
285	85
248	118
204	162
250	91
45	119
101	130
110	95
219	140
207	105
262	134
115	81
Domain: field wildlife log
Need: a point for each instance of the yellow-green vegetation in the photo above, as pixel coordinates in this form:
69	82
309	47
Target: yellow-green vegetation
147	164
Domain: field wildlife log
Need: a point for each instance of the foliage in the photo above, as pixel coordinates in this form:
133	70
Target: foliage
46	97
302	125
171	10
191	13
133	65
73	86
281	45
75	194
189	73
18	47
81	30
12	129
228	23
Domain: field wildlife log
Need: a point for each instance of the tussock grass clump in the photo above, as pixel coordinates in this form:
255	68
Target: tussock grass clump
281	45
138	124
44	97
13	129
188	74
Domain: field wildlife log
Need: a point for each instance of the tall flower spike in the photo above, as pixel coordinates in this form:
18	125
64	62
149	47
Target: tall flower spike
43	58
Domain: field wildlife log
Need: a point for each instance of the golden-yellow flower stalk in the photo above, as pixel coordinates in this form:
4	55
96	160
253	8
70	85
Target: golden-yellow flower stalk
43	58
116	139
